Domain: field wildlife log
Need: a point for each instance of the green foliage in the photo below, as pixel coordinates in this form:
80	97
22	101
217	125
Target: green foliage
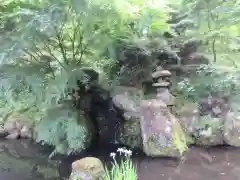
46	44
217	24
63	38
123	170
186	89
43	56
209	80
64	129
55	38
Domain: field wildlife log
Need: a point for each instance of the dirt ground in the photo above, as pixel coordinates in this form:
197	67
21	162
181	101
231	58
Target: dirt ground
199	164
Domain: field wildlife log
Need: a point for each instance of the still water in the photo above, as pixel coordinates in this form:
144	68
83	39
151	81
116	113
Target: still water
23	160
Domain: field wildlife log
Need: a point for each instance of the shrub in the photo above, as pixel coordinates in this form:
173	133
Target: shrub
186	89
64	129
44	55
209	80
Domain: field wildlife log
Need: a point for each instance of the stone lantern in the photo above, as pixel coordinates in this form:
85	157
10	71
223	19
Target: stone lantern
162	83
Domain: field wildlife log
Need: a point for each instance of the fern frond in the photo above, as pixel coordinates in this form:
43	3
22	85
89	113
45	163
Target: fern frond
64	129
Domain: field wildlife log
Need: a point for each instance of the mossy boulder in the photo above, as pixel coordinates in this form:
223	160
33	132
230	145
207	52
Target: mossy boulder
18	126
88	168
161	132
209	131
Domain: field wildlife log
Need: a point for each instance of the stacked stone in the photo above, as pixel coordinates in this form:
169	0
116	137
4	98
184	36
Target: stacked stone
162	83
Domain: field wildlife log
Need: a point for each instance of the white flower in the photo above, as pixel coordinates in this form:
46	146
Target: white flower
168	129
124	151
113	155
120	150
128	153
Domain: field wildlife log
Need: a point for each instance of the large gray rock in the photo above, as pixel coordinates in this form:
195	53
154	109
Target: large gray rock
13	135
205	130
131	132
26	132
232	129
214	106
209	131
128	100
188	116
160	129
3	133
18	126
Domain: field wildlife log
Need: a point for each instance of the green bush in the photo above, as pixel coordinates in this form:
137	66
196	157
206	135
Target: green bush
64	129
209	81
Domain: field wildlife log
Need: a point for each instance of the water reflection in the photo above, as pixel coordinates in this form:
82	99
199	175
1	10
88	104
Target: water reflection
23	160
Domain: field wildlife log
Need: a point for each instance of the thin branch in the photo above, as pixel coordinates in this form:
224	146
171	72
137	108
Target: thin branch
24	59
82	51
211	18
38	50
36	53
73	39
208	21
30	54
60	38
52	77
62	48
80	44
50	52
52	71
214	50
75	31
